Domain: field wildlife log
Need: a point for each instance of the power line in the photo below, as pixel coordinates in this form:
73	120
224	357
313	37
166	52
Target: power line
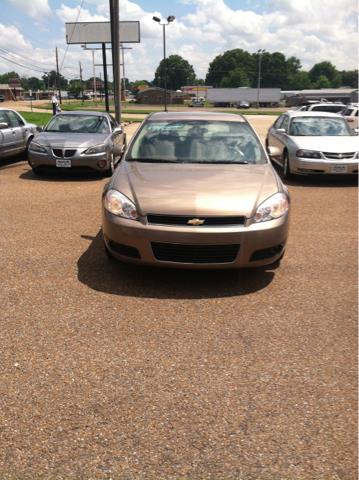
67	47
8	52
23	66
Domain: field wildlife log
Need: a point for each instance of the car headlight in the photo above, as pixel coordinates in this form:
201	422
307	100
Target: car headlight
101	148
274	207
116	203
36	147
308	154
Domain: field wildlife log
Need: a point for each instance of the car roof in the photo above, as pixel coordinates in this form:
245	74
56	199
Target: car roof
311	113
84	112
209	116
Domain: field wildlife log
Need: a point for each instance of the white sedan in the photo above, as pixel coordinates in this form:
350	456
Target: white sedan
313	143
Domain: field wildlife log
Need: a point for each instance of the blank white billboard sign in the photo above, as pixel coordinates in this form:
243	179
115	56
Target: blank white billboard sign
100	32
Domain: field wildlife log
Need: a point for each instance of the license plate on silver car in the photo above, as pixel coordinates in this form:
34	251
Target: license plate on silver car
63	163
339	168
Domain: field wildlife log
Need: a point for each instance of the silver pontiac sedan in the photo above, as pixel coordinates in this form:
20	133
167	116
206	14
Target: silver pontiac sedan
15	133
313	143
78	140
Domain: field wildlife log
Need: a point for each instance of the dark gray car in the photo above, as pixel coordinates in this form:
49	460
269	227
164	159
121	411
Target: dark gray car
15	133
78	140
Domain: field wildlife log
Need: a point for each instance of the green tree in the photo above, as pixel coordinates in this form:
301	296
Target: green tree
222	65
178	73
5	77
350	78
322	82
299	81
76	86
327	70
32	83
235	78
50	80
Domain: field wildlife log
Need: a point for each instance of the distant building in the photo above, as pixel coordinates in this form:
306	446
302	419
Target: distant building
155	96
11	92
294	98
196	91
226	97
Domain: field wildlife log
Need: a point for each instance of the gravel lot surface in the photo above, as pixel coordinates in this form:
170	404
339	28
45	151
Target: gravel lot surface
118	372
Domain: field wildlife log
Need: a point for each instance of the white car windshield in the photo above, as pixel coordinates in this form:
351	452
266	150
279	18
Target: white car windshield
318	127
78	124
197	141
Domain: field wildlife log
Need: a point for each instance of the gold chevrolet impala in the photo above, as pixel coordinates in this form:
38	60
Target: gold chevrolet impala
195	190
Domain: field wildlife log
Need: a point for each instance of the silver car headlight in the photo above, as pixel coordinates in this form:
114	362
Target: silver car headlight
274	207
36	147
116	203
308	154
101	148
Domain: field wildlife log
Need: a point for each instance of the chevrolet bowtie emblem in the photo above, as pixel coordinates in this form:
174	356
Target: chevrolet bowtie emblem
195	221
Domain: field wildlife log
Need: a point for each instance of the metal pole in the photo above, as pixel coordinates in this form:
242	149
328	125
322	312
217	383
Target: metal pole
105	76
115	34
82	90
58	85
164	65
259	75
94	76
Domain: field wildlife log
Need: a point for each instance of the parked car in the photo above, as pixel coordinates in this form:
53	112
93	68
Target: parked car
322	107
196	190
78	140
350	113
196	102
15	133
313	143
243	104
2	98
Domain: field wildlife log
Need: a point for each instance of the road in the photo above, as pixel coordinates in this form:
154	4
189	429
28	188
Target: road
111	371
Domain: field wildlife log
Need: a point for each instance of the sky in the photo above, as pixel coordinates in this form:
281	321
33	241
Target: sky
311	30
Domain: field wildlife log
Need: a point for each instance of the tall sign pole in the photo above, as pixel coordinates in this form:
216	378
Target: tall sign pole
105	75
115	38
58	83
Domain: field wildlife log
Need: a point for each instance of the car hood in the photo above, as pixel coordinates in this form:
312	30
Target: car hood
328	144
69	140
195	189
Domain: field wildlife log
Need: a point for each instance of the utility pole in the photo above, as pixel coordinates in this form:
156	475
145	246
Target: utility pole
94	76
82	90
58	83
123	68
115	40
260	53
105	75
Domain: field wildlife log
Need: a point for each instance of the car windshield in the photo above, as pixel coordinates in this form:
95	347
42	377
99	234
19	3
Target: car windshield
318	127
196	141
78	124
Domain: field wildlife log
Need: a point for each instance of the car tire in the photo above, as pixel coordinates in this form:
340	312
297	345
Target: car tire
111	169
287	174
36	170
27	148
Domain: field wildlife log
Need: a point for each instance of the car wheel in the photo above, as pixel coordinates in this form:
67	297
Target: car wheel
27	148
111	169
287	174
36	170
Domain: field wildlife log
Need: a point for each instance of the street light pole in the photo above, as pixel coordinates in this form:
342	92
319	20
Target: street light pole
170	19
260	52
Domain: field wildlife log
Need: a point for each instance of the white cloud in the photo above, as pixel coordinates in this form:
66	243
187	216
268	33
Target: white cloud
36	9
311	30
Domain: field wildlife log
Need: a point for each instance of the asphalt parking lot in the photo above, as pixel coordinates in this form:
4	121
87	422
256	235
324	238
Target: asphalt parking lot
111	371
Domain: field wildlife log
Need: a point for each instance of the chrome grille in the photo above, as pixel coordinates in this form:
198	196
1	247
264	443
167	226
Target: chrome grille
185	220
339	156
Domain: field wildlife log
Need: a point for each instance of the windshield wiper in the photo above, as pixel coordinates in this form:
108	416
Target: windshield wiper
222	162
152	160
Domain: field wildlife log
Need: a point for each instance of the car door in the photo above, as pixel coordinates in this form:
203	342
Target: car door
18	134
279	134
6	135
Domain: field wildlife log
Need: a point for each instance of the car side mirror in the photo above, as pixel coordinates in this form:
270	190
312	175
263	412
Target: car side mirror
117	130
281	130
39	129
274	151
3	125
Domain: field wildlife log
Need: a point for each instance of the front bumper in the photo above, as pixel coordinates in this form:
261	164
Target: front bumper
331	167
136	241
77	161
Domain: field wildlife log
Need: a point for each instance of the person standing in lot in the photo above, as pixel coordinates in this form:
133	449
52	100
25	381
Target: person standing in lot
55	103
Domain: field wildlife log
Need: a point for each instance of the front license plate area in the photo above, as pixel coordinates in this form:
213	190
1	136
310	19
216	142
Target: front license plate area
63	163
337	168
